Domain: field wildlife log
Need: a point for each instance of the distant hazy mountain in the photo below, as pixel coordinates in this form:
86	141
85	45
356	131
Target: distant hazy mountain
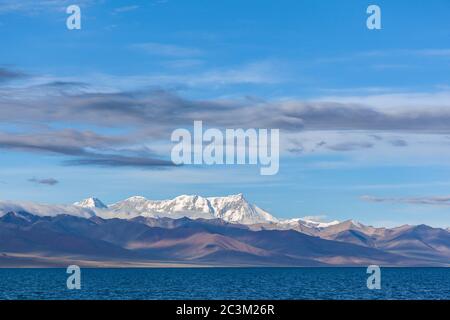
96	241
308	223
197	230
234	208
45	209
413	241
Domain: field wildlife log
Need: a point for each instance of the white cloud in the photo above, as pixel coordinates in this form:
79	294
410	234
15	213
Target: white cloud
126	9
166	50
35	7
433	201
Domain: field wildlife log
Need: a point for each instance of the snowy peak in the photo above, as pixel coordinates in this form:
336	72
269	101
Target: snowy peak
187	203
234	208
42	210
91	203
136	199
308	222
181	206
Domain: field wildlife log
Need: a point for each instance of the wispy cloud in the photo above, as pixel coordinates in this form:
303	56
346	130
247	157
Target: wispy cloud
350	146
83	148
115	160
264	72
433	52
66	142
433	201
36	7
398	143
10	74
125	9
46	181
183	63
115	120
383	54
163	110
166	50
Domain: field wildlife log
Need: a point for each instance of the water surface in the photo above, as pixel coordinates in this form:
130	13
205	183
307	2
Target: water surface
226	283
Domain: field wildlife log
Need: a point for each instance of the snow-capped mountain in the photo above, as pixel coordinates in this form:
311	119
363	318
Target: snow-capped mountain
189	206
91	203
237	209
234	208
309	223
28	240
48	210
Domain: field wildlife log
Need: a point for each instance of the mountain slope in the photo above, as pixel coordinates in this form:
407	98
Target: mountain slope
233	208
186	241
424	242
216	230
43	210
91	203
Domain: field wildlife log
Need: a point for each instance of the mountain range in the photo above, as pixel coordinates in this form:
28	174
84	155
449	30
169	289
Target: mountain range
199	231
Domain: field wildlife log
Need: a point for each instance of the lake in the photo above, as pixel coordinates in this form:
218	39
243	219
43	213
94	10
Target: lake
226	283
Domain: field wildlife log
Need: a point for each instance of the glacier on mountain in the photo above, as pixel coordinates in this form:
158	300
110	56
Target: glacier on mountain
91	203
232	209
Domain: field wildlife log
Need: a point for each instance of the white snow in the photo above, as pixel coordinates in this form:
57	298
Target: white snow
90	203
233	209
309	223
44	209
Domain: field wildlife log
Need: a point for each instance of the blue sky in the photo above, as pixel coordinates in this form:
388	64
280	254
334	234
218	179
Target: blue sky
364	115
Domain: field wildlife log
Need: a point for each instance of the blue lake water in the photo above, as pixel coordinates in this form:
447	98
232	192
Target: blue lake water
226	283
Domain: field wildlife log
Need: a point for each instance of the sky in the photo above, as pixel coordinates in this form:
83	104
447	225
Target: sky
364	115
